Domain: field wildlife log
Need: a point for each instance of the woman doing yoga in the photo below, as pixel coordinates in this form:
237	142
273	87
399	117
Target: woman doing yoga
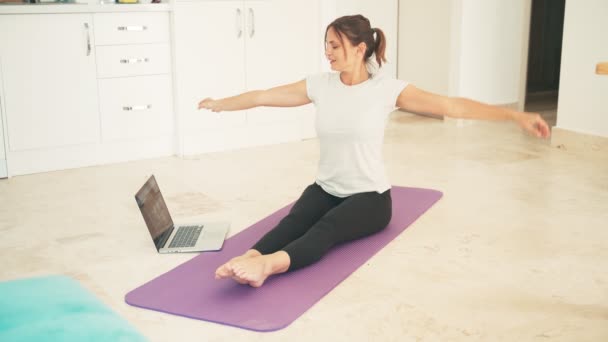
351	196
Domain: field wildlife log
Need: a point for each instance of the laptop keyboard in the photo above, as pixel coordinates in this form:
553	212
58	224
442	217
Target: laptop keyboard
186	236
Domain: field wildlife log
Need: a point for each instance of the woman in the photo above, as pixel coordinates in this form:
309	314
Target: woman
351	195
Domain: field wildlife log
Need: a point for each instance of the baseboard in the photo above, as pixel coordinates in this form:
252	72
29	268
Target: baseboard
75	156
574	141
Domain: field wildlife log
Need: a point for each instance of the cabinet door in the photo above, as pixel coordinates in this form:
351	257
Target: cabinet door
283	41
282	46
49	79
131	28
135	108
133	60
209	62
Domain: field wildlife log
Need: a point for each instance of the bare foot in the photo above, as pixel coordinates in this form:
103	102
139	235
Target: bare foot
255	270
226	270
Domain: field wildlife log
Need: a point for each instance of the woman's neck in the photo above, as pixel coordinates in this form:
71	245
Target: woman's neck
356	76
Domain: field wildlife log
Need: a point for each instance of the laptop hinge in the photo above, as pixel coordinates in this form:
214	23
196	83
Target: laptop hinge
161	240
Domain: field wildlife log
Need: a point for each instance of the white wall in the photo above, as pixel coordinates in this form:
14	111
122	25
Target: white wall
469	48
424	44
582	105
381	14
490	50
2	151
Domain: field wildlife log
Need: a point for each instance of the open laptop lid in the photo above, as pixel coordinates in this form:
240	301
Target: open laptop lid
155	212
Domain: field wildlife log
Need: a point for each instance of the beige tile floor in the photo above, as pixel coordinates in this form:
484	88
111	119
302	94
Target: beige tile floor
516	250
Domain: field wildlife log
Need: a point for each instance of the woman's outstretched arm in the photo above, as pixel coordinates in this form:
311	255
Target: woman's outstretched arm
289	95
416	100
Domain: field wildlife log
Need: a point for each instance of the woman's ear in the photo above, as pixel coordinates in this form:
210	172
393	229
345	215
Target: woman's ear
361	48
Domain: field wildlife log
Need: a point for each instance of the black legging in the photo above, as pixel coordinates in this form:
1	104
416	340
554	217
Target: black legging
318	221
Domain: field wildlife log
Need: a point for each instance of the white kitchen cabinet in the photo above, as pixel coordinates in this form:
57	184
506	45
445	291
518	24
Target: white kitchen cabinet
135	108
135	88
133	60
284	48
48	74
69	100
209	62
131	28
223	48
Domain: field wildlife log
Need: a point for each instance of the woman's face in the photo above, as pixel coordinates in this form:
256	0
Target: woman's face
341	55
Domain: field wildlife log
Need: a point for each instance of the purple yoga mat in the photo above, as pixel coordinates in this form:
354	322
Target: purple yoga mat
191	290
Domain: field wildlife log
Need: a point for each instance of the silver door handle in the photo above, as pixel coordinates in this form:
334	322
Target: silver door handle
86	29
239	24
132	28
142	107
134	60
251	23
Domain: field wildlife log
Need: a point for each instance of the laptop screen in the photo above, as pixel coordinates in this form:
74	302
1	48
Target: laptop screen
155	212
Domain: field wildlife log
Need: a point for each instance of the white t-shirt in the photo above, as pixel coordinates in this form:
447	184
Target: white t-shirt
350	123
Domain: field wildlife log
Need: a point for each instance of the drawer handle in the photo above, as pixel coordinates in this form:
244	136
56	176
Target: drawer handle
132	28
142	107
239	24
251	23
134	60
86	29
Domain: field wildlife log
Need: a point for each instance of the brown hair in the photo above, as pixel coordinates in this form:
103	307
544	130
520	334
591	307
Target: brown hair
357	29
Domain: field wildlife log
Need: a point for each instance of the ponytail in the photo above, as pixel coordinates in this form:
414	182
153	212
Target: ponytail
379	46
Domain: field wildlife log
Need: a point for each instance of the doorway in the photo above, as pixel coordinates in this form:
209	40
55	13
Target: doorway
544	58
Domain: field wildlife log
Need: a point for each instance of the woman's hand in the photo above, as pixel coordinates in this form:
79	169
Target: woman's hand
210	104
533	124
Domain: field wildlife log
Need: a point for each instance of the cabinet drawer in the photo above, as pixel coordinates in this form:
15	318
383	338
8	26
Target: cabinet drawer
132	60
131	28
135	108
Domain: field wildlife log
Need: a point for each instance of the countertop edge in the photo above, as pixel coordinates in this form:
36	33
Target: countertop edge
83	8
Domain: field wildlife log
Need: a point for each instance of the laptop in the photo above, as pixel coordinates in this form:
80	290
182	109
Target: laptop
169	237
